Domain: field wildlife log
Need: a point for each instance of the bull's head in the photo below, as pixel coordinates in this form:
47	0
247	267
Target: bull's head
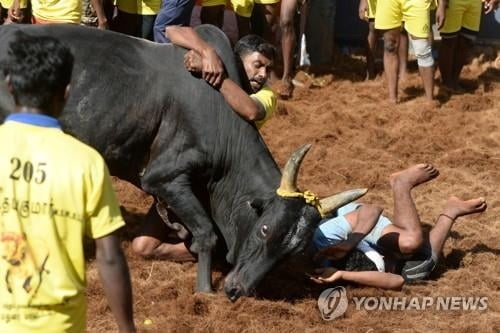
285	225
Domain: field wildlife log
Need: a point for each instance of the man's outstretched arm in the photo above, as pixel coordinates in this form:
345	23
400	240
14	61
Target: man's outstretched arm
366	278
115	278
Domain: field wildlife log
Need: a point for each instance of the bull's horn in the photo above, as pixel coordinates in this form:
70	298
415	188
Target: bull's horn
335	201
291	170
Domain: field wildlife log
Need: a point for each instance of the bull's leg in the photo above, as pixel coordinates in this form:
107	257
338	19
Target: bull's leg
184	203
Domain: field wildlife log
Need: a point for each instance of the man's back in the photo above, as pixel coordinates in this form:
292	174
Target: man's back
54	192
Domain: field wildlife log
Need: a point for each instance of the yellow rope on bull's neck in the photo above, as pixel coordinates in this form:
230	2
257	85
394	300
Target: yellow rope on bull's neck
308	196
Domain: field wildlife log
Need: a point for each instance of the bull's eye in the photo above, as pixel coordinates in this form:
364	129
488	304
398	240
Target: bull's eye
264	230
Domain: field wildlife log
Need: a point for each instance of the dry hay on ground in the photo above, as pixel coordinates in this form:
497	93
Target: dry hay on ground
358	140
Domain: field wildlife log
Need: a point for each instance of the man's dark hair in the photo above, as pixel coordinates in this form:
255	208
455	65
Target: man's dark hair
254	43
39	68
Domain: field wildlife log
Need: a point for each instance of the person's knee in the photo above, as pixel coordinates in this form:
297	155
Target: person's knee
423	52
143	246
390	45
410	243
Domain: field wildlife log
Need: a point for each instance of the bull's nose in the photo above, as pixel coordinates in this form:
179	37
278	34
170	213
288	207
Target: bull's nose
233	292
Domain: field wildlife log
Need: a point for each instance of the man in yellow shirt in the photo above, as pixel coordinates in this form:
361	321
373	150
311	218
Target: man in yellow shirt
14	12
54	191
389	17
136	17
64	11
212	12
366	12
457	36
256	104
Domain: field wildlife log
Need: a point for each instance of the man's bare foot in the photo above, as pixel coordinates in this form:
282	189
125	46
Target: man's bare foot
414	175
456	207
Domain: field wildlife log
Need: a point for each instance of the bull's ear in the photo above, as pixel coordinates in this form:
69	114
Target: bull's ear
257	205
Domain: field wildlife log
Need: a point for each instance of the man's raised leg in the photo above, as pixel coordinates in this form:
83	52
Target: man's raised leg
405	234
454	208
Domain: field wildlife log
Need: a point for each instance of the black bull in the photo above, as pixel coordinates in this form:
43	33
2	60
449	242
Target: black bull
166	131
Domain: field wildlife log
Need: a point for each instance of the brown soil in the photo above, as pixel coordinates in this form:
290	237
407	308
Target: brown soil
358	140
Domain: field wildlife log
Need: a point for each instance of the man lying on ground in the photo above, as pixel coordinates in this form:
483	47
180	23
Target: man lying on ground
371	250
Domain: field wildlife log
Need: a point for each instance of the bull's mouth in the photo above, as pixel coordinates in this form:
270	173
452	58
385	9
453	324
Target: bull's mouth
234	289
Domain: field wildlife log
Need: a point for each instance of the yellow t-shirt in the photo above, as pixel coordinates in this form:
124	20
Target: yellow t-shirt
54	191
58	11
141	7
268	100
8	3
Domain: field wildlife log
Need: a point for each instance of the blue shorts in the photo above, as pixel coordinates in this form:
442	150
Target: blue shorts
334	230
172	12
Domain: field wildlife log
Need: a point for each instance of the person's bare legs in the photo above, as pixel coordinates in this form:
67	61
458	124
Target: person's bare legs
403	55
446	60
464	45
391	61
153	241
405	234
269	12
244	26
427	75
213	15
288	9
454	208
371	51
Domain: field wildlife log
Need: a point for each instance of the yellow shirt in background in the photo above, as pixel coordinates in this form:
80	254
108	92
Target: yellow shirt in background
141	7
54	191
8	3
58	11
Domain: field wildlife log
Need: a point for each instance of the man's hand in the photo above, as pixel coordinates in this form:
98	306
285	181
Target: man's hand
490	5
440	14
192	62
326	275
15	14
212	67
363	10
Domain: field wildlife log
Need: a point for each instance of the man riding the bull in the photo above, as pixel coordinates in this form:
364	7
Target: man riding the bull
254	103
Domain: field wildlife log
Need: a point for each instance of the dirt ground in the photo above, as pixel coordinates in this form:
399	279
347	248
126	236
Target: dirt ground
358	140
